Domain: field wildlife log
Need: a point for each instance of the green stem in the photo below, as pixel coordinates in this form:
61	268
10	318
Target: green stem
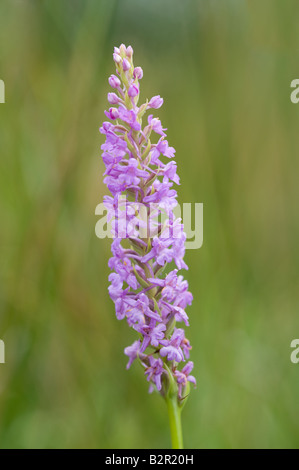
174	413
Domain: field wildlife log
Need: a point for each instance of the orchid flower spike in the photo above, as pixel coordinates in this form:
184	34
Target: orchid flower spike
152	302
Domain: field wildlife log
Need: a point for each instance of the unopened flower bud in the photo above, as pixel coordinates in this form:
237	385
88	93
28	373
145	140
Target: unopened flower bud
114	82
138	73
133	90
130	52
112	113
126	65
116	58
113	98
156	102
123	49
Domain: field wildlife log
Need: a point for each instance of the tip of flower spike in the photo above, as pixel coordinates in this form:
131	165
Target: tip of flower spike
122	49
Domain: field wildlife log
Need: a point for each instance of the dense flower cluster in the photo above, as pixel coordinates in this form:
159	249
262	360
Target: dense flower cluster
151	302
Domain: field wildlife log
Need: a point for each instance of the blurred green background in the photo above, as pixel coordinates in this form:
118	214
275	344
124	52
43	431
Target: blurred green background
224	69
